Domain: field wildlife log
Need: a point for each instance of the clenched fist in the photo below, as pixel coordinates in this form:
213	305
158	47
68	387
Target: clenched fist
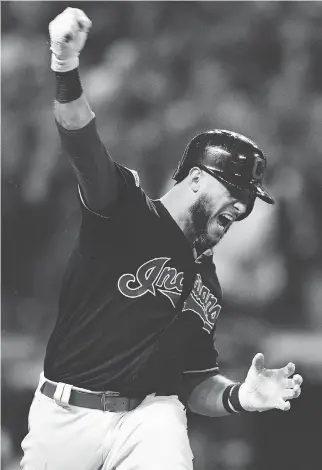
68	33
265	389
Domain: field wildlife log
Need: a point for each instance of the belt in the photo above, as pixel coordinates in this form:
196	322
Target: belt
96	401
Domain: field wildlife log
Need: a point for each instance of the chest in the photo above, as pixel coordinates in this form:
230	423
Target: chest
145	263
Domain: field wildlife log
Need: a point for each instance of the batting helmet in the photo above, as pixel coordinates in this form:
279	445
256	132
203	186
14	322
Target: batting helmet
231	158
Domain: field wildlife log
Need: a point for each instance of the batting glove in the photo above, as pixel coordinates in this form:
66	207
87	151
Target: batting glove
265	389
68	34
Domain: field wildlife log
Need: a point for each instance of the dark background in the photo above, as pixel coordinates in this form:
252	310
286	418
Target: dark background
156	74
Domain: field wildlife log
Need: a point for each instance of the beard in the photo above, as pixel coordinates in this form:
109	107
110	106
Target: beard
200	219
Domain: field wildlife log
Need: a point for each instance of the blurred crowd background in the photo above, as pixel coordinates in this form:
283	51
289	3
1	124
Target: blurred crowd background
156	74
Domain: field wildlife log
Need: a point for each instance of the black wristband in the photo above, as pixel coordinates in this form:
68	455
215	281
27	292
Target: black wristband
68	86
234	398
225	399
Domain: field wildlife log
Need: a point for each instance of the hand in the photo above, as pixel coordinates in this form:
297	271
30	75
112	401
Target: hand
265	389
68	34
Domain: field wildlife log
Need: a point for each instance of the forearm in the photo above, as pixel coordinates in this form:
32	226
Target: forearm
262	390
94	168
71	108
207	398
75	114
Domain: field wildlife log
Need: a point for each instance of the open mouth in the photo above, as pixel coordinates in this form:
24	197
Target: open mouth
225	220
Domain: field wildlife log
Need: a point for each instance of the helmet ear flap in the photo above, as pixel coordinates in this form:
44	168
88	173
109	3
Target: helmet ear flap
249	209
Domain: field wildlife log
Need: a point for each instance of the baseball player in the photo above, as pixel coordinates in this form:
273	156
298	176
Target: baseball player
133	345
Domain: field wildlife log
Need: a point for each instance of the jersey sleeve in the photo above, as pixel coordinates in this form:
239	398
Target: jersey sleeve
97	173
102	182
201	363
109	229
202	356
129	190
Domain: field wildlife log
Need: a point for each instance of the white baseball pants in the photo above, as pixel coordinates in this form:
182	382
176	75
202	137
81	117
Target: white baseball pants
153	436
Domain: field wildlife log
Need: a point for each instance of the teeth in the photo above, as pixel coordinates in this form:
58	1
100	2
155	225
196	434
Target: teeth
228	216
226	219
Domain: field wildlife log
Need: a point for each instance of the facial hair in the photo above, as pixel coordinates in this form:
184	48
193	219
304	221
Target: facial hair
199	221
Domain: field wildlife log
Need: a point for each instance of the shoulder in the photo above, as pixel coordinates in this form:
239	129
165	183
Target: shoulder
130	177
131	197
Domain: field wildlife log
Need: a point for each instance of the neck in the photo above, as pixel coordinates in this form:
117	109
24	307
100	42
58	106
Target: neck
177	202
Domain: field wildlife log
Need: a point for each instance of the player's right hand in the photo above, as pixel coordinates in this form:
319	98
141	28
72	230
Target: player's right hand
68	34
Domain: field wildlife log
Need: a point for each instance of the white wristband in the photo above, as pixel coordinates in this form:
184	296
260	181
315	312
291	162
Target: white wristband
64	65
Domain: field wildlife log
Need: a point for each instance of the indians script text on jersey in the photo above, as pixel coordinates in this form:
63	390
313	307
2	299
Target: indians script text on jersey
155	275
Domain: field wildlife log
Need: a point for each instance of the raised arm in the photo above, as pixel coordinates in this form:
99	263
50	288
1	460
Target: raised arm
94	168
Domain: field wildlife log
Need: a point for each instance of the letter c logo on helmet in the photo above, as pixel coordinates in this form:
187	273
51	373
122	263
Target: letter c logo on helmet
258	168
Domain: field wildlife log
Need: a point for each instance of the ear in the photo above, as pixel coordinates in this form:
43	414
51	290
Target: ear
194	179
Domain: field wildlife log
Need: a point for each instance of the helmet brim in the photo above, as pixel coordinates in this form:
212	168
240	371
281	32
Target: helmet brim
263	194
257	189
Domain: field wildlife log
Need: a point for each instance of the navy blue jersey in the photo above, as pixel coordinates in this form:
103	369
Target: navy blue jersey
122	324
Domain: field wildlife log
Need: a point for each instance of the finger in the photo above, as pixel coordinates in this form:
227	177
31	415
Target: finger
258	361
292	393
288	370
297	391
83	21
70	35
296	380
288	394
67	22
84	24
78	21
283	405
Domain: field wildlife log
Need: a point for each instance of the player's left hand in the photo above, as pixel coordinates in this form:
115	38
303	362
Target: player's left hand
265	389
68	33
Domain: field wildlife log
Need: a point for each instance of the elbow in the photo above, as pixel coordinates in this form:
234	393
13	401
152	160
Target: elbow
197	402
74	115
206	398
